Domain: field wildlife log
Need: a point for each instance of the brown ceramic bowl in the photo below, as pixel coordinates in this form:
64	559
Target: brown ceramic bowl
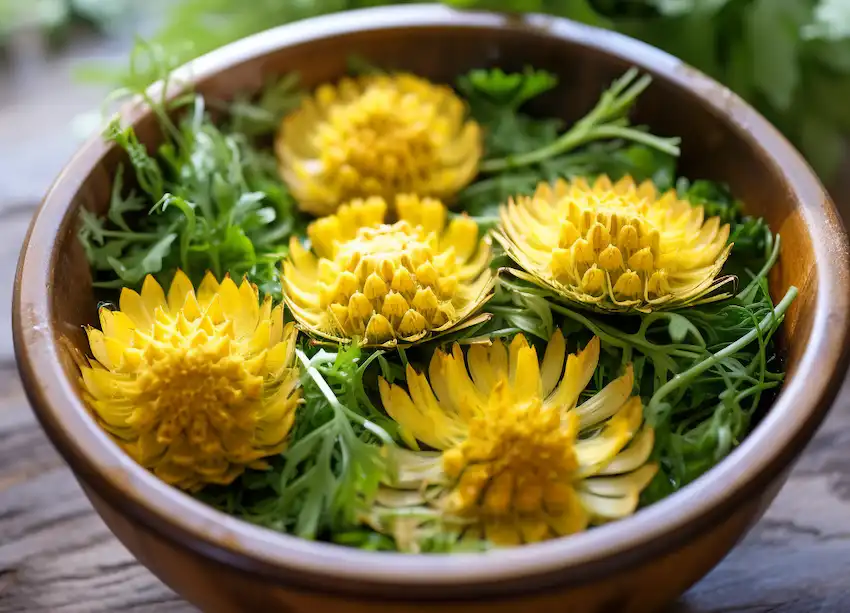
638	564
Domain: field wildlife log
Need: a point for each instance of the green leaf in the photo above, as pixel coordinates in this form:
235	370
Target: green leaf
643	163
740	67
224	193
831	55
132	270
579	10
826	95
120	205
248	203
506	89
188	211
237	252
715	198
263	117
148	172
152	261
679	328
100	257
91	227
774	29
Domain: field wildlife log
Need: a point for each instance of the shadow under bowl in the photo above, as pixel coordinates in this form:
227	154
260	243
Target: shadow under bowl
637	564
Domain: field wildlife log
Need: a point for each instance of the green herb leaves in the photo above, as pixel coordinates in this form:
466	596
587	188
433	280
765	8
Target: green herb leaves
522	151
209	197
328	475
213	198
502	91
606	121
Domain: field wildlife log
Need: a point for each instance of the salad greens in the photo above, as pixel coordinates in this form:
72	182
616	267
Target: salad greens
209	197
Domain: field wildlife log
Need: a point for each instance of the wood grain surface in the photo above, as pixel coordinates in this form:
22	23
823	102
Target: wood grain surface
56	555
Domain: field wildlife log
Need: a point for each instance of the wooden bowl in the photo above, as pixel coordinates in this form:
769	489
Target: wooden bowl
638	564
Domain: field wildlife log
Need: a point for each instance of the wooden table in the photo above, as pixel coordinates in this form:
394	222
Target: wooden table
57	556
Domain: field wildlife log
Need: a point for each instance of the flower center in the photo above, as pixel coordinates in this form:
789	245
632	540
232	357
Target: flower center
616	247
518	458
193	390
385	137
611	238
388	281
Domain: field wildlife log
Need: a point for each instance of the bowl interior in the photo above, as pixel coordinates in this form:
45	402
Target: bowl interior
723	139
712	147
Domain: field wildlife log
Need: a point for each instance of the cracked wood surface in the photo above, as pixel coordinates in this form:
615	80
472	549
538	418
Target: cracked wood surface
57	556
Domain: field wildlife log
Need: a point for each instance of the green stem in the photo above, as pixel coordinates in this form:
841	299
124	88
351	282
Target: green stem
571	139
624	101
490	335
652	409
581	134
215	262
665	145
606	120
628	340
338	407
774	255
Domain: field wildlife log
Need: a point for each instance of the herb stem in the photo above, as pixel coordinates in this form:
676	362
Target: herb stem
665	145
629	340
483	186
684	378
581	135
472	340
338	407
578	135
606	120
774	255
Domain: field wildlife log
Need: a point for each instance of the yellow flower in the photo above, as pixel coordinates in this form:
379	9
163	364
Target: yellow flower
388	283
377	135
615	247
196	387
522	460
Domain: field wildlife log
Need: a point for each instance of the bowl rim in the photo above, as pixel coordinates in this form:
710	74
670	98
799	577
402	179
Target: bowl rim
766	452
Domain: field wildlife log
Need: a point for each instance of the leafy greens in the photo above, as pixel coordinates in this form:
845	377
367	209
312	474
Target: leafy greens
212	196
209	197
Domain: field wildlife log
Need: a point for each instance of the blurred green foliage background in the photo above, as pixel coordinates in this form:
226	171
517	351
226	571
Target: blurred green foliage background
54	17
789	58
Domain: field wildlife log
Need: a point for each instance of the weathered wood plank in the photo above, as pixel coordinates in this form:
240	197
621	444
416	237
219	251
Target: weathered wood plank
14	221
797	559
56	555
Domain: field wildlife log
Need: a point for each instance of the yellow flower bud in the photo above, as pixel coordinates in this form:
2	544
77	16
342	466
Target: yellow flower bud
401	282
522	459
378	135
657	250
180	381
